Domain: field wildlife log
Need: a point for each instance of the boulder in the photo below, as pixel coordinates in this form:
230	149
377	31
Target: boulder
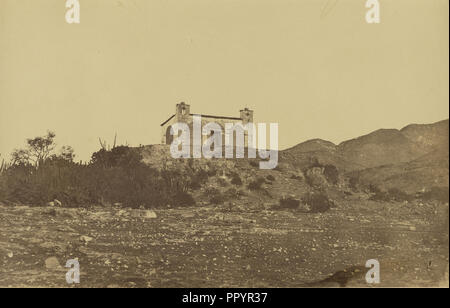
85	239
148	214
52	263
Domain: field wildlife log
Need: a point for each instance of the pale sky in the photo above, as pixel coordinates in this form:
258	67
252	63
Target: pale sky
314	66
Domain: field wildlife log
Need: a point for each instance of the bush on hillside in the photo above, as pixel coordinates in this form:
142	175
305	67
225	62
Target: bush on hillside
354	184
289	203
112	176
393	194
270	178
440	194
254	163
396	194
318	202
256	184
183	198
198	178
331	174
236	179
214	195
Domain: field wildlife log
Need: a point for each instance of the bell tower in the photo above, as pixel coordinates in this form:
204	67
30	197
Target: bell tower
182	111
246	115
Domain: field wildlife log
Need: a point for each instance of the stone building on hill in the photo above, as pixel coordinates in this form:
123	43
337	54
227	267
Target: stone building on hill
183	115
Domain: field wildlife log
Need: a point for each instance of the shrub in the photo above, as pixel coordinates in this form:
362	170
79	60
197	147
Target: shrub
393	194
112	176
398	195
214	195
212	169
314	178
232	193
289	203
197	179
241	193
121	156
374	189
195	185
436	193
314	162
183	198
380	196
353	182
270	177
254	163
256	184
217	199
211	191
318	202
222	182
331	174
236	179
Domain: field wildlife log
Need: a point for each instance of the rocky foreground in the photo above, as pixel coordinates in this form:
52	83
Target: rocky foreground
225	246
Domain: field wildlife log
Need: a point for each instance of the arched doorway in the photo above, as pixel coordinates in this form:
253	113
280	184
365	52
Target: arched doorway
169	137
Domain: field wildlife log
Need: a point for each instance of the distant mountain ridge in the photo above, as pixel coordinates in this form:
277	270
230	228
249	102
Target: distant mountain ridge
381	147
414	157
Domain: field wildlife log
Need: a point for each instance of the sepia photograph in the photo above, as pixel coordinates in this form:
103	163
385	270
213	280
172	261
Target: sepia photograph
226	150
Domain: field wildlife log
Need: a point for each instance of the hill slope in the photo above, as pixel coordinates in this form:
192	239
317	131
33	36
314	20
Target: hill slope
382	147
412	159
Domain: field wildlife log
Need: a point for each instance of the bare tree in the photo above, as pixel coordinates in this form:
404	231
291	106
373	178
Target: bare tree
20	157
39	148
67	153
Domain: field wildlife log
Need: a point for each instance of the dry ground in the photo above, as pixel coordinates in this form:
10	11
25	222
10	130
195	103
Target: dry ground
225	246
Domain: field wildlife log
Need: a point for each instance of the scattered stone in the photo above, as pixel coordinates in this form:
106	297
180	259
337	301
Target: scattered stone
121	213
52	263
188	215
86	239
149	214
143	214
10	255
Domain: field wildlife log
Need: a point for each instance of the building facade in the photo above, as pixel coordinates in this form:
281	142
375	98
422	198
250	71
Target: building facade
183	115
